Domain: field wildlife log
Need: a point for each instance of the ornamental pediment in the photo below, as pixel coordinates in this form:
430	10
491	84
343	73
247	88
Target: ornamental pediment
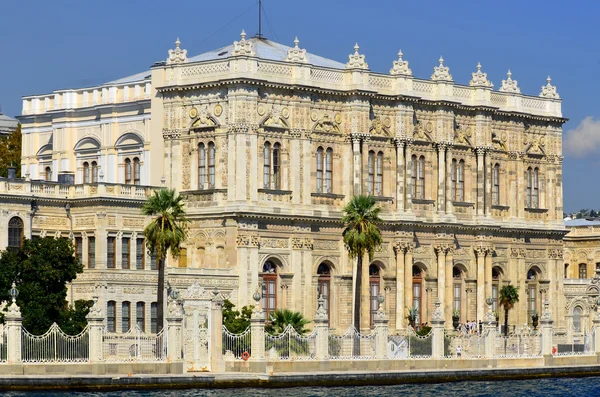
202	119
325	123
463	136
381	127
276	118
422	131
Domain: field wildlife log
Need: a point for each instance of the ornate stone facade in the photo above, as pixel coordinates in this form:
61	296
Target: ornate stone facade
469	180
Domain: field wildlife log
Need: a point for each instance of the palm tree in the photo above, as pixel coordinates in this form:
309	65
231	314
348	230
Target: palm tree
361	236
509	295
280	319
166	232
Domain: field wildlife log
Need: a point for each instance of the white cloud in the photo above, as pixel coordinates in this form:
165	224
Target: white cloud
583	140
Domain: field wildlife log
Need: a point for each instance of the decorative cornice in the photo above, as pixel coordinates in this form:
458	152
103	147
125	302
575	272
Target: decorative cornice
356	60
510	85
479	79
549	91
400	67
177	55
441	72
296	54
242	47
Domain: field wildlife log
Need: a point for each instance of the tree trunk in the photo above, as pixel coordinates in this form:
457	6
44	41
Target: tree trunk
357	294
160	298
505	322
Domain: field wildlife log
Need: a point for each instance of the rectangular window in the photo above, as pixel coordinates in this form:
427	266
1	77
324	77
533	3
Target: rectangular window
531	292
453	173
276	166
153	317
413	176
125	316
79	249
496	182
140	254
267	166
110	252
529	177
136	171
320	170
379	175
211	165
328	171
495	297
125	258
460	195
140	315
91	252
201	166
269	294
417	301
374	303
111	316
421	178
456	297
371	172
536	197
153	261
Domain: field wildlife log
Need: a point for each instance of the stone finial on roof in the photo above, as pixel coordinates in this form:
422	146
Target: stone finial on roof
510	85
549	91
441	72
400	67
356	60
242	47
177	55
296	54
479	79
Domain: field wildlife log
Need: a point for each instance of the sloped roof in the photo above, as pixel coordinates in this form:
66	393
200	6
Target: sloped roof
133	78
7	123
266	49
581	222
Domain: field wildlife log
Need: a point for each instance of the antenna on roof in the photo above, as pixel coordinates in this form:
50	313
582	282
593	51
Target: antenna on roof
259	34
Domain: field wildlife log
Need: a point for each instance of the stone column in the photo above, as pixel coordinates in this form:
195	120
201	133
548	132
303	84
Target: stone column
480	180
480	253
546	325
381	332
408	173
488	272
449	291
357	164
400	175
175	333
408	287
95	319
400	268
257	335
441	196
437	337
322	328
216	332
440	251
490	328
13	324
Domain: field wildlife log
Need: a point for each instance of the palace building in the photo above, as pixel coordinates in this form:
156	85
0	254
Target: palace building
268	142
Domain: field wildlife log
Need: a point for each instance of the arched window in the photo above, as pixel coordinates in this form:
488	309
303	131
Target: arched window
458	180
421	178
128	172
111	316
417	283
140	315
48	174
379	175
374	290
94	172
324	286
577	319
329	170
457	287
583	271
496	185
201	165
211	165
371	172
136	171
267	166
269	288
533	276
536	188
15	232
413	176
496	276
320	162
86	172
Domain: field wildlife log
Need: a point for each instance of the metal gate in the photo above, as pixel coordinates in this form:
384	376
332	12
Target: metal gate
196	325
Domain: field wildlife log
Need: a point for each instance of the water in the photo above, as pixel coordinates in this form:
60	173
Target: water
585	387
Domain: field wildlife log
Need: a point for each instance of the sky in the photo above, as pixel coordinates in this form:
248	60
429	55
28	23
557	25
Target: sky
49	45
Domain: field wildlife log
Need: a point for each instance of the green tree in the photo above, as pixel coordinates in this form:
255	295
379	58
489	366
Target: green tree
73	318
235	321
509	295
165	233
280	319
41	269
361	236
10	152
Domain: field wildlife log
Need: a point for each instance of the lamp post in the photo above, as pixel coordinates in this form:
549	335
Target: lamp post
33	210
68	211
14	292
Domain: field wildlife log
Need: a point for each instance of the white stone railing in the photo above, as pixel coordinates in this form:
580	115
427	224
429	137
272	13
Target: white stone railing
56	190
